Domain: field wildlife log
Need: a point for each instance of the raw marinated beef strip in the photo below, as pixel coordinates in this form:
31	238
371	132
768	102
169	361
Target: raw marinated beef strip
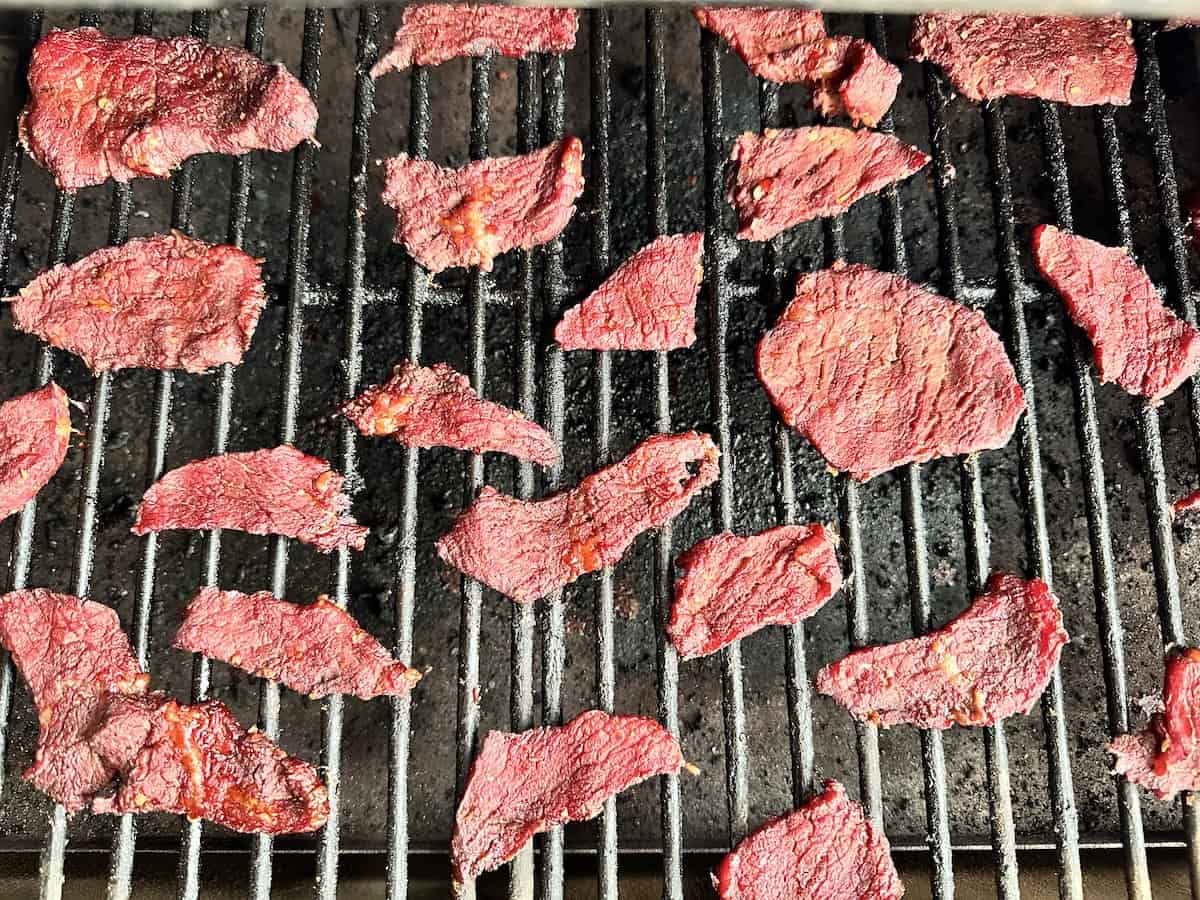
990	662
876	372
825	850
102	107
792	175
35	431
469	216
1077	61
163	302
276	491
436	407
433	33
732	586
316	649
582	529
523	784
648	303
1138	343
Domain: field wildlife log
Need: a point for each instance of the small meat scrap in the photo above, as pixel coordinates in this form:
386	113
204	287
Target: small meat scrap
732	586
582	529
276	491
469	216
990	662
1077	61
792	175
436	407
648	303
102	107
827	843
876	372
431	34
1137	342
523	784
316	649
35	431
162	302
1186	503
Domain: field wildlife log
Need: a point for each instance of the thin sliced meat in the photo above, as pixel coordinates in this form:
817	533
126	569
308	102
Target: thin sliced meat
276	491
648	303
35	431
732	586
523	784
436	407
792	175
1186	503
582	529
990	662
1137	342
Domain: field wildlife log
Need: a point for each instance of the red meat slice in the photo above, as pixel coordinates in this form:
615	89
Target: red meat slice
1186	503
35	431
1137	342
878	372
163	302
433	33
1077	61
102	107
436	407
792	175
467	217
276	491
732	586
648	303
579	530
523	784
317	649
827	846
990	662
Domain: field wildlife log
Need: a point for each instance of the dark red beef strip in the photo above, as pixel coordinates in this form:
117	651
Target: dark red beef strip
35	432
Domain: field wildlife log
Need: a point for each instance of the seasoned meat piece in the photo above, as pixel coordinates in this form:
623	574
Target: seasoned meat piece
732	586
523	784
827	845
276	491
582	529
991	661
469	216
317	649
35	431
162	302
792	175
1077	61
432	33
1186	503
1137	342
878	372
102	107
435	407
648	303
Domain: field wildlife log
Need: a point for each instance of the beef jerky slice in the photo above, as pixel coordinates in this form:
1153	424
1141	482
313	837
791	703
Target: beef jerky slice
35	431
582	529
163	302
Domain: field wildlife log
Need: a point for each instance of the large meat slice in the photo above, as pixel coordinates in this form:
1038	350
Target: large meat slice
792	175
845	74
582	529
523	784
102	107
990	662
827	847
316	649
35	431
732	586
1078	61
436	407
162	302
276	491
878	372
430	34
1137	342
648	303
469	216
